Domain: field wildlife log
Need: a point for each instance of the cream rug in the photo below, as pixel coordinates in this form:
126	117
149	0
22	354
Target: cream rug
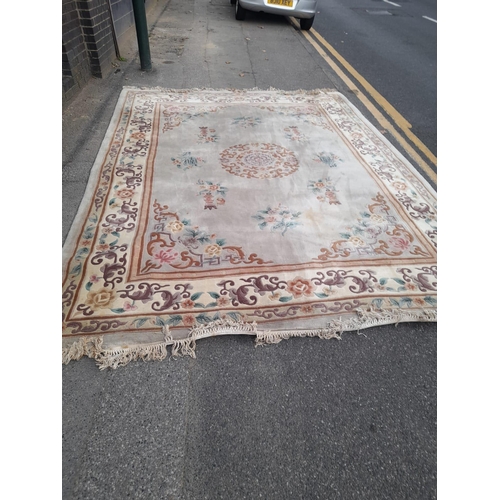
266	213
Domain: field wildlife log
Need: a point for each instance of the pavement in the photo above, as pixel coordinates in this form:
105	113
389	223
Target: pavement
304	419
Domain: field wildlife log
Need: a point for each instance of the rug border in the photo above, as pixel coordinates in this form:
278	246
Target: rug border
92	182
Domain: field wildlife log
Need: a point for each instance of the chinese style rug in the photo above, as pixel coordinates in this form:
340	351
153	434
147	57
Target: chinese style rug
267	213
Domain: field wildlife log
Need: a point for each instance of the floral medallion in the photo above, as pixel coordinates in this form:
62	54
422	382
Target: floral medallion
259	160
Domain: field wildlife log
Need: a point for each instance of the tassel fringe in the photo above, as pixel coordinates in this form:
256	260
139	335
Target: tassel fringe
365	318
120	356
85	346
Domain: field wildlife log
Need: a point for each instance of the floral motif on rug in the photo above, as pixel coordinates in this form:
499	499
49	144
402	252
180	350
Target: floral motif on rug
267	213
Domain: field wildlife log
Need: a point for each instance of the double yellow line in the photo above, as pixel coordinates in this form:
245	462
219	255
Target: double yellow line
315	39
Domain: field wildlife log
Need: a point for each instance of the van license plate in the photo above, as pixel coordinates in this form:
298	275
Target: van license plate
284	3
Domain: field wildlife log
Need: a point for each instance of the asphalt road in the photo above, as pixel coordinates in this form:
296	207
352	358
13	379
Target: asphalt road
394	47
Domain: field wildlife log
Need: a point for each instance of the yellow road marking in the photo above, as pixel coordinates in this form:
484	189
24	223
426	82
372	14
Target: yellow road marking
391	111
375	112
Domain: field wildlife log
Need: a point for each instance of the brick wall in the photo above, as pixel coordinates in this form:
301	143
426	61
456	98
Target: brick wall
88	45
96	25
88	48
75	62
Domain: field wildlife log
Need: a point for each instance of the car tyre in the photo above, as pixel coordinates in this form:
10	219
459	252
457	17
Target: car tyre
240	12
306	24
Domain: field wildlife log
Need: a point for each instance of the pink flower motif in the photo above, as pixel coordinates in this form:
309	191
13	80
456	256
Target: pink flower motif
270	219
299	287
189	320
221	201
94	279
125	193
128	306
401	186
400	243
102	248
138	135
187	304
166	256
222	301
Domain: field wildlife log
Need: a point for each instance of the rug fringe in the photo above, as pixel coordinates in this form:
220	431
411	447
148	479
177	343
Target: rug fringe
121	356
186	347
114	358
157	351
274	337
366	318
373	317
332	331
85	346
